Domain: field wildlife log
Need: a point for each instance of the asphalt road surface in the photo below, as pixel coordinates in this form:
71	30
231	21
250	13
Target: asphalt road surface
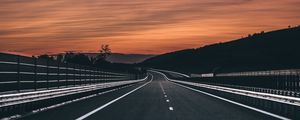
154	99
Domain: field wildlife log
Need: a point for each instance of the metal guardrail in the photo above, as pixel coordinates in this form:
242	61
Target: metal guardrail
28	84
23	74
282	80
17	104
19	98
290	72
262	90
57	67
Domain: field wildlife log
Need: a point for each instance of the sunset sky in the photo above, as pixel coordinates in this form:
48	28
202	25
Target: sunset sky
135	26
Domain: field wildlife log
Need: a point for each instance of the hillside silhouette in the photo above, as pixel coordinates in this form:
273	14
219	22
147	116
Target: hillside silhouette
278	49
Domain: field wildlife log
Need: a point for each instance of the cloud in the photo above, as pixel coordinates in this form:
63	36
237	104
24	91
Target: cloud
38	26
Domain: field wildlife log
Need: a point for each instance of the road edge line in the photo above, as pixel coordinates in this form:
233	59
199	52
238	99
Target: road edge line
111	102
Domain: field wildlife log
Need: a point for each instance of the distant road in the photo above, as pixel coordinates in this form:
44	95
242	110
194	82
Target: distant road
155	99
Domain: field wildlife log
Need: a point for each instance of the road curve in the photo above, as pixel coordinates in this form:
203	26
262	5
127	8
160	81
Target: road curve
154	99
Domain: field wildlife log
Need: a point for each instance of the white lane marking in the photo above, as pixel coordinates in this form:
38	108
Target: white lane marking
165	95
236	103
162	88
230	101
111	102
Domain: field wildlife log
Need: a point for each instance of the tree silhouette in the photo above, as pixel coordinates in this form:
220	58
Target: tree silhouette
45	56
77	58
81	59
68	56
60	57
104	52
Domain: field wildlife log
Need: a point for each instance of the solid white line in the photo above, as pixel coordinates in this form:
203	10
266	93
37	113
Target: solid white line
111	102
236	103
4	72
6	82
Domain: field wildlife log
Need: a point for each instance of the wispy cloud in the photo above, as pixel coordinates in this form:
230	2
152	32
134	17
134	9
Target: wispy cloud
39	26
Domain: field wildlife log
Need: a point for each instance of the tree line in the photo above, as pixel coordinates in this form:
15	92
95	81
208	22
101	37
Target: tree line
81	58
98	61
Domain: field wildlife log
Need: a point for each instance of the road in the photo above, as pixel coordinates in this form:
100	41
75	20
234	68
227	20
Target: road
154	99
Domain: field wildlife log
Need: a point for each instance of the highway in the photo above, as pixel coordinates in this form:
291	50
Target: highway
153	99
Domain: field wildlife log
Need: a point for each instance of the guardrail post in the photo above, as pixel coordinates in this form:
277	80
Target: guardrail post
35	74
58	75
18	72
94	75
97	75
84	75
293	82
80	82
278	82
298	83
89	76
47	74
67	71
286	83
74	74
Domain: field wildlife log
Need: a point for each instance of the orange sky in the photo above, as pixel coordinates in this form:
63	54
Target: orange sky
135	26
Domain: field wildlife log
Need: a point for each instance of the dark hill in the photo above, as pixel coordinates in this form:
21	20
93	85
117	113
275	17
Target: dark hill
272	50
